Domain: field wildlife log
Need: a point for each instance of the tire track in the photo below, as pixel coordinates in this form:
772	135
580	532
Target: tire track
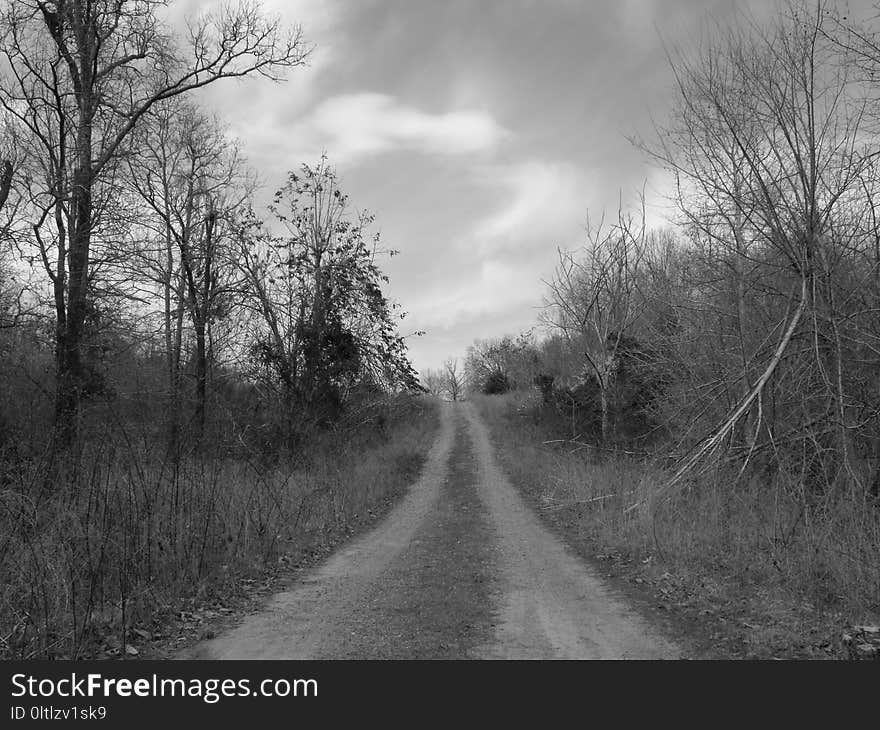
296	622
551	605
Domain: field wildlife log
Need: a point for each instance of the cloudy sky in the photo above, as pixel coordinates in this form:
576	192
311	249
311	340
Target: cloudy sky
482	134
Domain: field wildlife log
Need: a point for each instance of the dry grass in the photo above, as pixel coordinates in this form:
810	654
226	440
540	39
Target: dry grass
731	542
109	539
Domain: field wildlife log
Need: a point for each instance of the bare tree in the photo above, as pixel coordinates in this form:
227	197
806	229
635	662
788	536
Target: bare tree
501	364
453	379
82	75
433	382
768	149
192	179
594	299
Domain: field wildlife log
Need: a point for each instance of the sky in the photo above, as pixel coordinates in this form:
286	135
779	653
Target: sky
483	135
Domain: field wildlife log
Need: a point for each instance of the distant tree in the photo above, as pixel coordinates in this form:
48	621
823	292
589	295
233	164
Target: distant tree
516	358
594	299
432	380
453	379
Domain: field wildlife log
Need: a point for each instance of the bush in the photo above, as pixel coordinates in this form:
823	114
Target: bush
496	383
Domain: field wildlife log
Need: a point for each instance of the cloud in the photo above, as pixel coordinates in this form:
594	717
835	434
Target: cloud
258	109
545	201
504	254
637	17
548	204
355	126
486	289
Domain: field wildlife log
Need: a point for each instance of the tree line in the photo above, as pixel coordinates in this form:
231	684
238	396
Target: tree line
193	386
745	336
132	252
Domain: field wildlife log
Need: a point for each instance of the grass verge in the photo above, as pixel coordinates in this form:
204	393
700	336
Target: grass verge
745	571
124	553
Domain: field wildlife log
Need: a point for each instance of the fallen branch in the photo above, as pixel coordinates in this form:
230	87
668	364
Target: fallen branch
582	445
714	441
561	504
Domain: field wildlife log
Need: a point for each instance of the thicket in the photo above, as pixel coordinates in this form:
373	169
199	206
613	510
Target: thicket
737	352
190	385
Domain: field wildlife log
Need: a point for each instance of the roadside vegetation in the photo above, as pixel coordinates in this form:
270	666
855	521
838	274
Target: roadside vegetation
135	538
701	400
194	385
724	567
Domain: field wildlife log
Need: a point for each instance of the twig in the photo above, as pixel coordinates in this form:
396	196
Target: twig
562	504
581	444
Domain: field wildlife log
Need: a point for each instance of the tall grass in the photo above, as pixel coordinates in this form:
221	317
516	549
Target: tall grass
765	532
121	531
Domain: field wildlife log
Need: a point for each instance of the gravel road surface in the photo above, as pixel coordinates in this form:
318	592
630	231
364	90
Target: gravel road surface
460	569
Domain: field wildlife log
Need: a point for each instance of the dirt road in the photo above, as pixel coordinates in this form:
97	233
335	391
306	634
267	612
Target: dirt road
461	568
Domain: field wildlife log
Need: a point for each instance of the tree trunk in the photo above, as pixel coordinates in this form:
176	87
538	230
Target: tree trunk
201	375
174	308
69	357
5	182
747	433
70	332
603	408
